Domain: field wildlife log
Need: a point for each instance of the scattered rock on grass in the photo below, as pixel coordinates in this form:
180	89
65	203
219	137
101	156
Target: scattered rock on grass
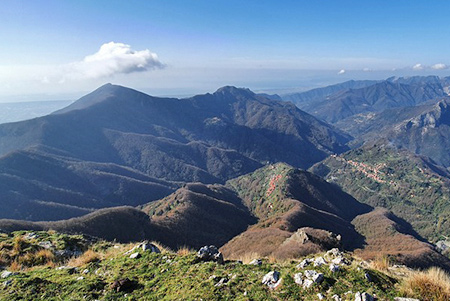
298	278
6	274
340	260
222	281
304	263
272	279
334	268
146	246
7	283
30	235
256	262
320	296
314	276
46	244
319	261
334	252
210	253
135	255
363	297
311	277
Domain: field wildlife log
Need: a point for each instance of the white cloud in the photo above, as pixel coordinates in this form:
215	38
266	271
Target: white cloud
367	69
112	58
342	71
418	67
439	66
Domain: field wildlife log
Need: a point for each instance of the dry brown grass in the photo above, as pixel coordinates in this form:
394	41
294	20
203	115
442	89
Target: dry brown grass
246	257
15	266
85	258
40	257
185	250
381	263
118	250
433	284
44	256
18	245
162	248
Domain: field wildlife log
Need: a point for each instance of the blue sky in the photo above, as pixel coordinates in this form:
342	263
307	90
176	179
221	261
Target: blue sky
52	49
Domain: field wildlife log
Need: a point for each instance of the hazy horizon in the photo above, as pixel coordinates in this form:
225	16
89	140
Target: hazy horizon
62	50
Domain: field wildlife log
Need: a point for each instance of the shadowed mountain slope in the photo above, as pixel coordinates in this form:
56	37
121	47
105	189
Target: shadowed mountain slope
197	215
36	186
120	223
149	144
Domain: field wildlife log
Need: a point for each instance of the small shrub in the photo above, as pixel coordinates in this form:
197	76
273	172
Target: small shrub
433	284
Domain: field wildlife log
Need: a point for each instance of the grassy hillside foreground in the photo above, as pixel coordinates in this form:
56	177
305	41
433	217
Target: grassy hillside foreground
53	266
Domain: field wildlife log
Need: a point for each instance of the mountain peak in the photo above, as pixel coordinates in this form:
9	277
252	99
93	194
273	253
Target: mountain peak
99	95
234	91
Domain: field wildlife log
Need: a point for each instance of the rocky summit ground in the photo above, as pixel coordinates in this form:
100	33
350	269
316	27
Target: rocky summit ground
53	266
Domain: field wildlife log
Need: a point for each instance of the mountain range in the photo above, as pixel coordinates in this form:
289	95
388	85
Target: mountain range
117	146
338	102
364	170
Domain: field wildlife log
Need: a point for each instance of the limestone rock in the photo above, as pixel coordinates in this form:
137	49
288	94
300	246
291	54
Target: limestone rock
304	263
6	283
307	283
298	278
135	255
313	277
222	281
30	235
46	244
336	298
319	261
340	260
272	279
210	253
334	268
146	246
256	262
6	274
363	297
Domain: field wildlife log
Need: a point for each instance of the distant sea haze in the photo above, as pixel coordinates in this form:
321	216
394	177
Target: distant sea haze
17	111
